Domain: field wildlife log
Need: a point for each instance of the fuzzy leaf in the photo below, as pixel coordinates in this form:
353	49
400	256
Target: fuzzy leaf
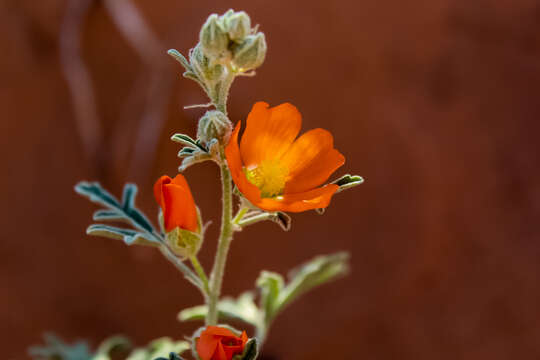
186	151
348	181
159	348
318	271
243	309
108	346
129	236
270	284
127	209
180	58
56	349
187	141
108	215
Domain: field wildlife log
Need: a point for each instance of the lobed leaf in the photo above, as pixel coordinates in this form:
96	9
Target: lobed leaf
55	348
116	211
129	236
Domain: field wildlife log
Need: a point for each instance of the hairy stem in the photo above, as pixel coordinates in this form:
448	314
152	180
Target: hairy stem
225	238
188	273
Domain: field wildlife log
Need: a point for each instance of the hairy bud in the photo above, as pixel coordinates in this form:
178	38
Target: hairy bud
250	53
214	125
237	25
213	38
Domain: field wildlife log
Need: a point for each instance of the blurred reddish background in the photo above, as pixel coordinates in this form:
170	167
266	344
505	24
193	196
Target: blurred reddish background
434	102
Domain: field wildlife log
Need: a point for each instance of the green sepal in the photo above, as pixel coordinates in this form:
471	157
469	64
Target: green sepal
129	236
251	351
243	308
348	181
183	242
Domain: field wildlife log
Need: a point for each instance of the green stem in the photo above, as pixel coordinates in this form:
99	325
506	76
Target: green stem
216	278
188	273
255	219
240	215
200	271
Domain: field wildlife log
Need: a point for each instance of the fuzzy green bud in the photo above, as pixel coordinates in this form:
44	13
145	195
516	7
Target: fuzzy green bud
237	25
250	53
204	67
213	38
214	125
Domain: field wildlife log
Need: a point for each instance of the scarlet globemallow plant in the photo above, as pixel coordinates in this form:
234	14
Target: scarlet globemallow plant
270	170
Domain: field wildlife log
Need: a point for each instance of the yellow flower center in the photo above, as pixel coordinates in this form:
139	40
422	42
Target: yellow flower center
269	177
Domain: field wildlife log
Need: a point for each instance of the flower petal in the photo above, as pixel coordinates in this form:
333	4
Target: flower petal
158	189
232	153
316	173
178	206
206	346
314	199
220	353
269	132
218	331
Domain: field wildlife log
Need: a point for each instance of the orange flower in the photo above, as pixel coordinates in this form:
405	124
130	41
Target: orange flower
176	202
218	343
274	171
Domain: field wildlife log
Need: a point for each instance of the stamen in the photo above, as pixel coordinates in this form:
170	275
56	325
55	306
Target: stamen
269	177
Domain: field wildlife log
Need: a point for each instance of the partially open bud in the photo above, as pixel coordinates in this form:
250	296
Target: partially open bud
179	217
213	38
250	53
214	125
237	25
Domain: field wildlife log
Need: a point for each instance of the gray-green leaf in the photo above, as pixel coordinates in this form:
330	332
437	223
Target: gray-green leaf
243	308
348	181
129	236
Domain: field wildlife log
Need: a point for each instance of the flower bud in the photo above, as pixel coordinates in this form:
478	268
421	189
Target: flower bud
213	38
250	53
214	125
204	67
237	25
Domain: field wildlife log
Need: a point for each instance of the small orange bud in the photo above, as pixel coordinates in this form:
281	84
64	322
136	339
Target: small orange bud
176	202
